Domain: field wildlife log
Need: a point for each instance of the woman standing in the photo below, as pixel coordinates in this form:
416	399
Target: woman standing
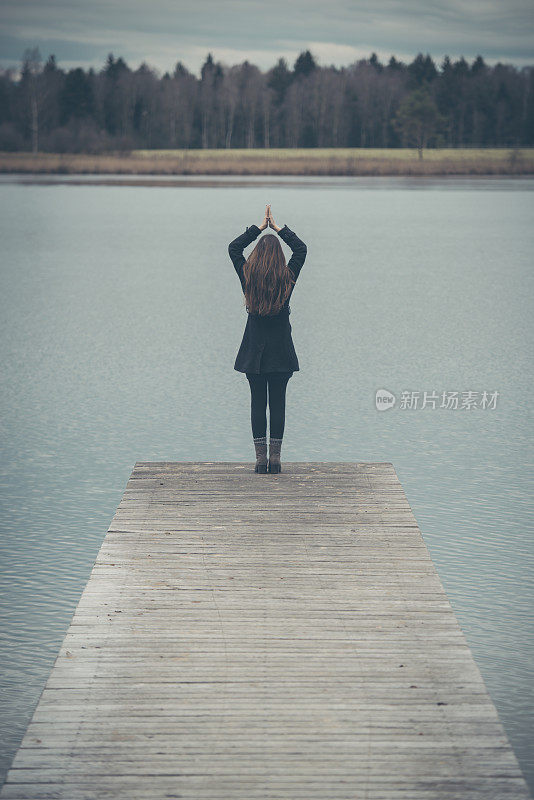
267	355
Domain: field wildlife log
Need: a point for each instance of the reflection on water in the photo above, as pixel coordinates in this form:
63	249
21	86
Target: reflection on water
121	317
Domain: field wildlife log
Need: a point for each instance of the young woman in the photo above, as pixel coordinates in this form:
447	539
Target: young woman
267	355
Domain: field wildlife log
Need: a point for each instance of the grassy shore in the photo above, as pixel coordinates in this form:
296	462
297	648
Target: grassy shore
329	161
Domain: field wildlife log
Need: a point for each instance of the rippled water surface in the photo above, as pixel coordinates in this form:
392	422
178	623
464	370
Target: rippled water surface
121	318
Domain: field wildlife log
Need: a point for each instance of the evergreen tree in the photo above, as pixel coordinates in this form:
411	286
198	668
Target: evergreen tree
422	71
115	67
418	119
375	63
365	104
50	65
279	80
304	65
394	65
478	66
76	98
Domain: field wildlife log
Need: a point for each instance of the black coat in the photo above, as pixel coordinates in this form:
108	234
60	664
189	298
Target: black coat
267	345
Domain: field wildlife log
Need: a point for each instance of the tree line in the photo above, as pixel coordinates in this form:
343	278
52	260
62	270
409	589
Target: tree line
366	104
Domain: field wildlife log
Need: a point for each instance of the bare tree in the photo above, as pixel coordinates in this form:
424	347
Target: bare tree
251	87
186	100
34	90
267	98
366	104
230	99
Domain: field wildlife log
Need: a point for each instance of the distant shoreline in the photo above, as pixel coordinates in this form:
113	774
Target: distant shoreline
327	162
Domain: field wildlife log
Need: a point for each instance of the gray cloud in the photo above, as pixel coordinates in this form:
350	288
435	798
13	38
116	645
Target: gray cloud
164	31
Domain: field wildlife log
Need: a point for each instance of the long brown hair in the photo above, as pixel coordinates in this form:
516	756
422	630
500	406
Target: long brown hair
268	280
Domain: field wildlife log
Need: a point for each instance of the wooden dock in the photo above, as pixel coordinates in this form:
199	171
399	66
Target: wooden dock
264	636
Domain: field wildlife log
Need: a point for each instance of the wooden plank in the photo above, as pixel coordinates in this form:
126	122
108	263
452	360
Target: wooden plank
257	636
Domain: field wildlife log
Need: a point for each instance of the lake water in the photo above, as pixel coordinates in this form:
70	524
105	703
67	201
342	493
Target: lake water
121	318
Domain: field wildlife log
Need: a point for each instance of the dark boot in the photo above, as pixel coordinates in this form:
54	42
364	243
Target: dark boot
261	454
275	446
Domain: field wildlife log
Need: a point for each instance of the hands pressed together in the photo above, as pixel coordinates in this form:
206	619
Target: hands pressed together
269	220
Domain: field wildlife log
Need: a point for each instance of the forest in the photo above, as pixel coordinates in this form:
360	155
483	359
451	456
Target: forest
369	104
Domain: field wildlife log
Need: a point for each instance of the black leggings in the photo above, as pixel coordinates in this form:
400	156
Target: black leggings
277	383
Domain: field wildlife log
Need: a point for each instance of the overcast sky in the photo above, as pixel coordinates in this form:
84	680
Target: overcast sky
162	32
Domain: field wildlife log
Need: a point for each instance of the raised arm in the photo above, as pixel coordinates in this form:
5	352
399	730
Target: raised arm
235	248
298	247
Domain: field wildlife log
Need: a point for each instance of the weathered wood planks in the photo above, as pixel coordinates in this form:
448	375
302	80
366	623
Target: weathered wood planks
264	636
